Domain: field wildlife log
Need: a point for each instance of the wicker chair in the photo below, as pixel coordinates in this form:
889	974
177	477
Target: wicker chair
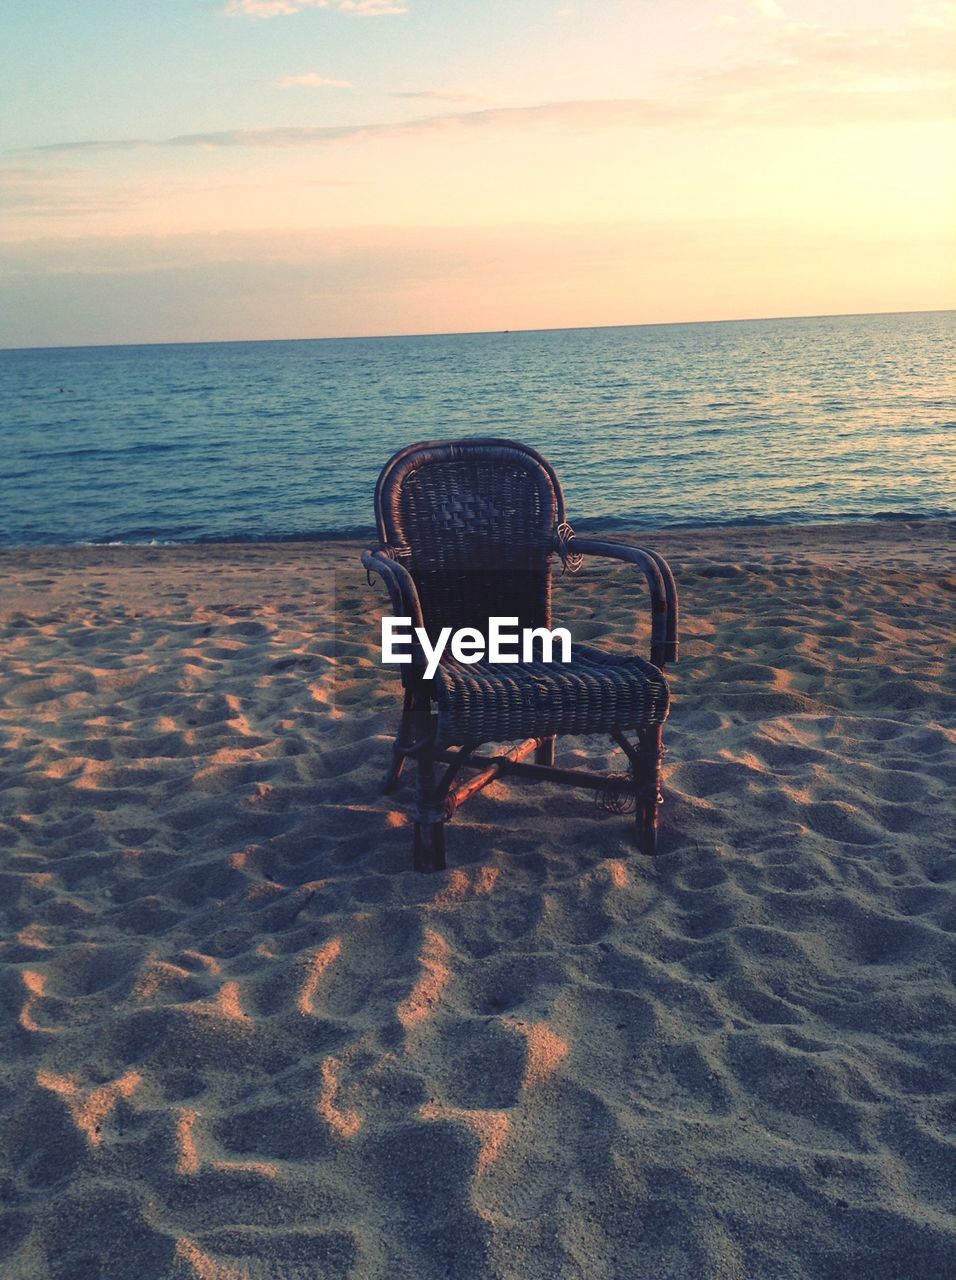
468	530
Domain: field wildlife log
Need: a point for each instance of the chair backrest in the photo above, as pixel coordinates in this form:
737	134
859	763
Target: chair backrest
473	521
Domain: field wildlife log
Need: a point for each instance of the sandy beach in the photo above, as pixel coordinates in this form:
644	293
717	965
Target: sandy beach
243	1040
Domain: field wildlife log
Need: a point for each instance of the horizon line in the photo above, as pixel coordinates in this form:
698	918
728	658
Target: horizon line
474	333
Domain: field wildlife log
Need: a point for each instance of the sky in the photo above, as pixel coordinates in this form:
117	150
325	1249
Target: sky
205	170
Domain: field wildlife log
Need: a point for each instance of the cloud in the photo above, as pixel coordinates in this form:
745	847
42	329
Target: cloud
586	114
436	95
24	193
94	144
924	51
744	101
280	8
311	81
810	75
912	70
33	196
768	9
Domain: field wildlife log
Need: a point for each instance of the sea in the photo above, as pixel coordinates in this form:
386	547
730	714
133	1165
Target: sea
829	418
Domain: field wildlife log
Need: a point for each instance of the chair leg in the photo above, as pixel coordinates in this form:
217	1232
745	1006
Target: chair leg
646	771
429	854
402	739
544	752
429	848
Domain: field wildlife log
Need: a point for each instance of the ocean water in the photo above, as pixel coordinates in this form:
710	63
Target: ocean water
771	420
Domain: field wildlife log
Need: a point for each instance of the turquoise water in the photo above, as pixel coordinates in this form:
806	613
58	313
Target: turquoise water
770	420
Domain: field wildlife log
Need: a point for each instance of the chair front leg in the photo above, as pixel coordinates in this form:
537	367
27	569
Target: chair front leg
645	761
404	738
429	848
646	771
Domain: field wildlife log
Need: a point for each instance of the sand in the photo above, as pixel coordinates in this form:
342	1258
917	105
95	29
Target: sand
242	1039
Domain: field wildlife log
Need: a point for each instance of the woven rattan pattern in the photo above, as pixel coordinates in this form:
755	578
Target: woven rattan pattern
594	693
480	532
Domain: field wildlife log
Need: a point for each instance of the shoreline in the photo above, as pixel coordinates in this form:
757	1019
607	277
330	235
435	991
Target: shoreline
944	522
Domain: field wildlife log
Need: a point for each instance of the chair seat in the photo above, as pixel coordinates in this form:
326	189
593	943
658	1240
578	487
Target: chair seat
593	693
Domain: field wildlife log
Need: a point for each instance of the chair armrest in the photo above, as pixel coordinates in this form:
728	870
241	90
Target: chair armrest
402	592
400	583
660	583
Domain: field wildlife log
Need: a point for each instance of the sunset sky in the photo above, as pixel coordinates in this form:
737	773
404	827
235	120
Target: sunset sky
187	170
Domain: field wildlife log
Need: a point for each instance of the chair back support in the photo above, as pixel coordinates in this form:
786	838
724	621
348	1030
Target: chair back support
473	521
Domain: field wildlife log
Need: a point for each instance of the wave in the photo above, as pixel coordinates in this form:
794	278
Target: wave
367	533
